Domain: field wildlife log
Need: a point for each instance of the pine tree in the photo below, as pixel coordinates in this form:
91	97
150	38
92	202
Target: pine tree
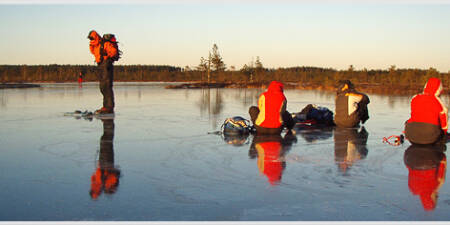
216	60
203	65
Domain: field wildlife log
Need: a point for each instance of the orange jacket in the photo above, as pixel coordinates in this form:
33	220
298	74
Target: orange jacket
102	50
103	180
95	45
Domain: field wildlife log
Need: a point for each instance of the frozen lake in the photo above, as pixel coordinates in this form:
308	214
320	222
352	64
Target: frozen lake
162	165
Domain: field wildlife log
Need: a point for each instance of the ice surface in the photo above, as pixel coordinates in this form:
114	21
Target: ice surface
171	169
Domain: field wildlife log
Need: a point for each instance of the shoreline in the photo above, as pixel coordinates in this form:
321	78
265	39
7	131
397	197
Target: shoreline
362	87
18	85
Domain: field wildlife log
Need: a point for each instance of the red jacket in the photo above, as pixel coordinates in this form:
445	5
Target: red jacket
428	107
269	162
426	183
271	104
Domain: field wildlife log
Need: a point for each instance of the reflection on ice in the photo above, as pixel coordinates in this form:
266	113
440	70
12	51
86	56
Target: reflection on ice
236	140
176	171
270	151
426	166
313	134
106	176
349	146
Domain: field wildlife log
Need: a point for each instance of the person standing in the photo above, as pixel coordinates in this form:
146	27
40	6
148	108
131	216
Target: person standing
80	78
351	106
105	51
428	122
271	116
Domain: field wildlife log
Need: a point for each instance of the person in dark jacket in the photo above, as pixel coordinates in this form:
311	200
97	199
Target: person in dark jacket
427	165
351	106
271	116
103	53
428	122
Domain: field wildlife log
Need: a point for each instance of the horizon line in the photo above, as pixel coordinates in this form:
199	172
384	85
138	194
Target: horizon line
193	68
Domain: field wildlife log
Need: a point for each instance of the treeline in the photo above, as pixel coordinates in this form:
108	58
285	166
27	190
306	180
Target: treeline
308	75
70	73
213	69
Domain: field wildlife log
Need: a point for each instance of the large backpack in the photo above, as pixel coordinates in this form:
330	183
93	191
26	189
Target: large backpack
112	39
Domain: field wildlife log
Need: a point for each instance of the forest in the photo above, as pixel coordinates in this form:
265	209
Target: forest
213	70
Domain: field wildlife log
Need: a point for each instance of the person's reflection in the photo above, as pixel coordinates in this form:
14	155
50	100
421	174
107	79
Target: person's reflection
106	176
349	146
270	151
426	166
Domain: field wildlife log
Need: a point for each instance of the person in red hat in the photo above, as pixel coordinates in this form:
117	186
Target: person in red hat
428	122
271	116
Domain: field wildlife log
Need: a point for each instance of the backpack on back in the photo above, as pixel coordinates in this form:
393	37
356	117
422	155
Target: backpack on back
111	38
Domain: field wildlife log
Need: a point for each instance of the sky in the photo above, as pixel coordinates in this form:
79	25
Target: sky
331	34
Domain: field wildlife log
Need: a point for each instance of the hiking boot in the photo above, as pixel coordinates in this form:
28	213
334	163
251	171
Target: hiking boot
103	110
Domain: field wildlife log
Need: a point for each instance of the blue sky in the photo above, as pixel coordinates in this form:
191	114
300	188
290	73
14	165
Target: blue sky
332	34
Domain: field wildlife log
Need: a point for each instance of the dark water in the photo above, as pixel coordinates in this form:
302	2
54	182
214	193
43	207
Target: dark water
156	161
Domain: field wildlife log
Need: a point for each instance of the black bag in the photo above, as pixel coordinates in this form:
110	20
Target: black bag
317	114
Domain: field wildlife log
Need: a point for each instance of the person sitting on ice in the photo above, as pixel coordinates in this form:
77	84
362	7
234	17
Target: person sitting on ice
428	122
351	106
271	116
